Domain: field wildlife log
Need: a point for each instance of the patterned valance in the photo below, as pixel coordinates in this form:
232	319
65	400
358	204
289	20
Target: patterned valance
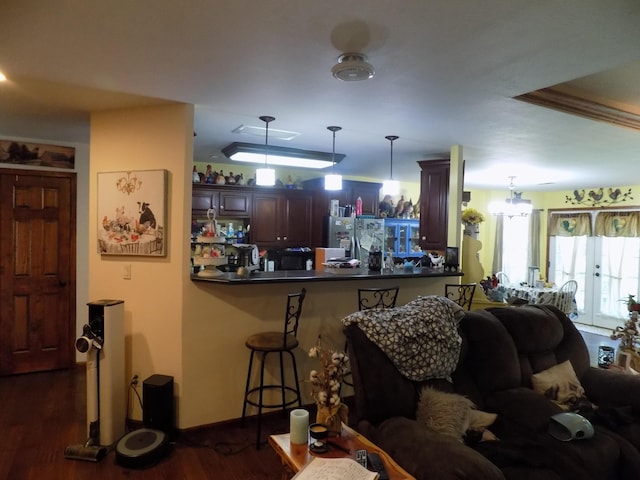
618	224
569	224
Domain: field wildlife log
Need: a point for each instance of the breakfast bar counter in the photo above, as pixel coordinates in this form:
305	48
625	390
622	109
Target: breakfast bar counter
290	276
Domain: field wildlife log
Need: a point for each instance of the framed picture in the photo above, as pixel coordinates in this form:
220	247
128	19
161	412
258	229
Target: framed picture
451	260
132	218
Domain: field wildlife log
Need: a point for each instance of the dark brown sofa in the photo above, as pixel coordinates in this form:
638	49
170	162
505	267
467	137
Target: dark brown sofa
502	348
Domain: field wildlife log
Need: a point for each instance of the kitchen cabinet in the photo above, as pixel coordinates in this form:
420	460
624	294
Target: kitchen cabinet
281	218
369	192
229	202
434	204
402	237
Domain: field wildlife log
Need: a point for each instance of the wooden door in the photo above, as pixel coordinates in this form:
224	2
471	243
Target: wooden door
37	270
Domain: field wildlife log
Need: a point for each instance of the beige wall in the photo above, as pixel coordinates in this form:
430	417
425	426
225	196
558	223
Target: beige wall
146	139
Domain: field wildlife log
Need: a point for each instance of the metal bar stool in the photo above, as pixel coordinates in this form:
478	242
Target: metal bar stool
275	342
372	298
462	293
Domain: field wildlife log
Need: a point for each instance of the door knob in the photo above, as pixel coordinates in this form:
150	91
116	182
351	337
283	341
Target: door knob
597	274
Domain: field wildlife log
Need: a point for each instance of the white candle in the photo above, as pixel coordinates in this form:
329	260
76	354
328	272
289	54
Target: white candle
299	426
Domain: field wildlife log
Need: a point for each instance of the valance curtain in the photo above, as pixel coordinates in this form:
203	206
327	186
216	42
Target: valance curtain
617	224
569	224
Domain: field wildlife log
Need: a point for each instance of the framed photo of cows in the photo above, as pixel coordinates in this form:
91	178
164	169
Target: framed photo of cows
132	213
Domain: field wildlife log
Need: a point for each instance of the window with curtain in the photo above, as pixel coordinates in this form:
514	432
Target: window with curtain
515	248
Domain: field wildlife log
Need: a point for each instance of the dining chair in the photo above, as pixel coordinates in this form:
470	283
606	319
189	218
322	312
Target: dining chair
566	296
462	293
503	278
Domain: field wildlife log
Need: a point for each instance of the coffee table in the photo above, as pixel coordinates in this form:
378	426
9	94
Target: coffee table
294	456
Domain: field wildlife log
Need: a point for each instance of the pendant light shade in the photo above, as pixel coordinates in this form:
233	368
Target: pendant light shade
266	176
333	181
391	186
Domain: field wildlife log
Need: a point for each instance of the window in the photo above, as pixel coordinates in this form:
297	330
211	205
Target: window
515	245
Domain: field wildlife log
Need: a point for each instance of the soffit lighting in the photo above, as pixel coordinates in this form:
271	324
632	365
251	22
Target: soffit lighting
283	156
333	181
352	67
513	206
391	186
266	176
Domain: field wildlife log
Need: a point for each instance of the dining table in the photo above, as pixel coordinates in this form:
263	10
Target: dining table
541	296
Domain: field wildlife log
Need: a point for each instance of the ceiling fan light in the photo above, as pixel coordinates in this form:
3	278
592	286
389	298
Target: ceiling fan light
265	177
333	182
352	67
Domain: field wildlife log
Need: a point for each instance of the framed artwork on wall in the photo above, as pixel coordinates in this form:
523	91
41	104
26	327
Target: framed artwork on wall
132	213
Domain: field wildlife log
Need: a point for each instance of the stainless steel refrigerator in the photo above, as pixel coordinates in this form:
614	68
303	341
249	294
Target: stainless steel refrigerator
356	235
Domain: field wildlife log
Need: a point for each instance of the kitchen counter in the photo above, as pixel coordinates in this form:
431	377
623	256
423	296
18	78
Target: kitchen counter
291	276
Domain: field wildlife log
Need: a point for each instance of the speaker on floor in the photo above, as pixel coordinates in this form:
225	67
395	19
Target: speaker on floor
158	404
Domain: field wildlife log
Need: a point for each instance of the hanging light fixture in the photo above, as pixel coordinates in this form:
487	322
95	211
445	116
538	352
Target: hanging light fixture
266	176
513	206
391	186
333	181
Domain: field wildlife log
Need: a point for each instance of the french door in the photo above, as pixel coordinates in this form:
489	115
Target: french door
606	269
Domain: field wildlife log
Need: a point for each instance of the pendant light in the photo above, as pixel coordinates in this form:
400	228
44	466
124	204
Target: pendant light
333	181
266	176
391	186
514	206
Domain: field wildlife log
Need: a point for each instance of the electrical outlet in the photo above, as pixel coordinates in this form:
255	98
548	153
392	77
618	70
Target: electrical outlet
135	379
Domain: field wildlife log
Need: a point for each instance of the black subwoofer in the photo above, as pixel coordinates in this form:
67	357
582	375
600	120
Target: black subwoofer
158	404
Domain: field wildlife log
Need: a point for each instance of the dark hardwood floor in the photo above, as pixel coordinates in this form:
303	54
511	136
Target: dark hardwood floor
42	413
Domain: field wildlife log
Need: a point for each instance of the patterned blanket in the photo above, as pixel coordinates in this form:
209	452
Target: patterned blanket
421	338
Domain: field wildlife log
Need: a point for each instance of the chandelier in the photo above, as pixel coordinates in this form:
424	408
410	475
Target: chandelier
129	184
513	206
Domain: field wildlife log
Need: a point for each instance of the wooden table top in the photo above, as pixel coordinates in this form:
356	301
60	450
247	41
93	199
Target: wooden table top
297	456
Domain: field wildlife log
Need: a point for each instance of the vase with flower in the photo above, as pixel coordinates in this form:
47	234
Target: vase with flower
325	387
471	219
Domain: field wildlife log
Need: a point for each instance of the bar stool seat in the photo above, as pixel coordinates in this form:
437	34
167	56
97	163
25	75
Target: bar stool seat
265	343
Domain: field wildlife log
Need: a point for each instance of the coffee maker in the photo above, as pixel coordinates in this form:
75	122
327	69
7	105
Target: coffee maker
243	255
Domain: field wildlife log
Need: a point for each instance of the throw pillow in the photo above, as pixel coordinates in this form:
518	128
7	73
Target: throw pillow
560	384
444	413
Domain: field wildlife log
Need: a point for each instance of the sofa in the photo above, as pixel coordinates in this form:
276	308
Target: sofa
503	350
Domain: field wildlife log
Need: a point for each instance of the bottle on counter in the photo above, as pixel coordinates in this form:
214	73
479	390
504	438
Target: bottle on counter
231	233
240	235
359	207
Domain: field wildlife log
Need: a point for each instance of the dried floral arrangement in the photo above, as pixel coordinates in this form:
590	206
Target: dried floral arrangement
326	381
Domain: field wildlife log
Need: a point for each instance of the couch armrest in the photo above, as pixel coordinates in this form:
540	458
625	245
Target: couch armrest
427	455
612	388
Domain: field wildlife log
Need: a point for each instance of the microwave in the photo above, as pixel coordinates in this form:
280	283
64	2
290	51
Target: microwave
298	258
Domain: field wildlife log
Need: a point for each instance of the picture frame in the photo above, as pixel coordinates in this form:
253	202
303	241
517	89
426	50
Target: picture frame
132	213
451	259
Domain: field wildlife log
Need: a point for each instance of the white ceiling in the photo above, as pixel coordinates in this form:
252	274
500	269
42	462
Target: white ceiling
446	73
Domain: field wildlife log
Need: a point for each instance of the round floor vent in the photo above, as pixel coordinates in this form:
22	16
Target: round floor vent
142	448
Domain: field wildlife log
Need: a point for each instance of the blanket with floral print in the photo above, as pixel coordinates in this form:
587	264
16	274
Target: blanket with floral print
421	338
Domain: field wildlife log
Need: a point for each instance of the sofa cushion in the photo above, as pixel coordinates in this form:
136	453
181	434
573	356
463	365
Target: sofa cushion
445	413
560	385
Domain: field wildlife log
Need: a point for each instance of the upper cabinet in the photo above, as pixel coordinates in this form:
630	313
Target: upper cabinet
281	218
434	204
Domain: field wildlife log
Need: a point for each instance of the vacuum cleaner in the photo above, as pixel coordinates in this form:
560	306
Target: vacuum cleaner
103	341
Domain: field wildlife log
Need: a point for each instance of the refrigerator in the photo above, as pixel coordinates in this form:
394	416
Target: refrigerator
358	236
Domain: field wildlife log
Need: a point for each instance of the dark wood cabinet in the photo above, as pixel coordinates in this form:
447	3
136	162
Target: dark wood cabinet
369	192
230	202
434	204
203	197
235	203
281	218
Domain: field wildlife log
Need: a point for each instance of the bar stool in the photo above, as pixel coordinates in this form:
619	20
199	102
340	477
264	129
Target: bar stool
275	342
372	298
461	293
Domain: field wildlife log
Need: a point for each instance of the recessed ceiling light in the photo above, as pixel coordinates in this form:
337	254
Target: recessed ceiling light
259	132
